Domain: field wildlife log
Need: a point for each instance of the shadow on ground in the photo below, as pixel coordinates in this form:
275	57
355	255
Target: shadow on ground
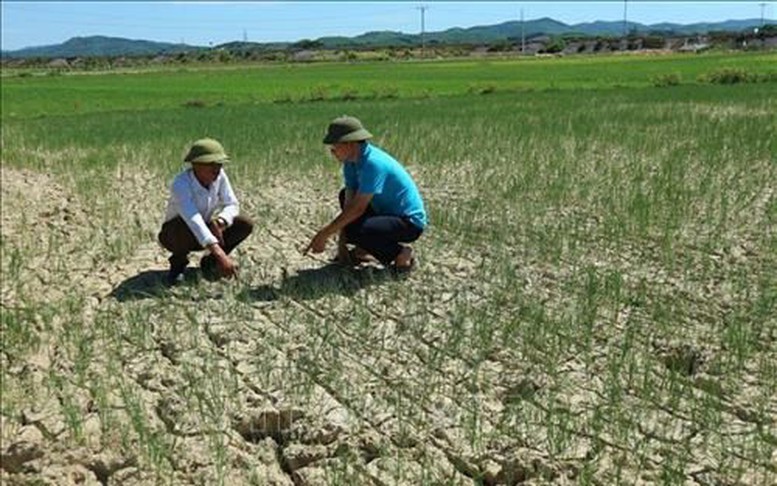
145	285
304	285
318	282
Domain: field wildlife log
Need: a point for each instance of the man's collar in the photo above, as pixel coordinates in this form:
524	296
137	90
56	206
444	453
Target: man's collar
363	151
199	184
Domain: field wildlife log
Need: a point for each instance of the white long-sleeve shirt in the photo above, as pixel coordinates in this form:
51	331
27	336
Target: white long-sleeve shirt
197	205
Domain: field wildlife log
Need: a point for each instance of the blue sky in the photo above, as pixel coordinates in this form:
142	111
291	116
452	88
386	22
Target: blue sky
36	23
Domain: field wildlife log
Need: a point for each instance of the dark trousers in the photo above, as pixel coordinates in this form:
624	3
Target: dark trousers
380	235
179	239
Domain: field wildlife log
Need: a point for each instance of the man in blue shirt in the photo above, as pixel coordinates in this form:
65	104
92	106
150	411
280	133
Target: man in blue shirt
382	210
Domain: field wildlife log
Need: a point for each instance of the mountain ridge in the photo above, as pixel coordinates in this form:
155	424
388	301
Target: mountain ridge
100	45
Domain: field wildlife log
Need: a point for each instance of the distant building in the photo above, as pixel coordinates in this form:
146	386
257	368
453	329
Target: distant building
304	55
695	45
59	63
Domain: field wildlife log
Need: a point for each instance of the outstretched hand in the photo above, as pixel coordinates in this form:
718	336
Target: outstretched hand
226	266
318	243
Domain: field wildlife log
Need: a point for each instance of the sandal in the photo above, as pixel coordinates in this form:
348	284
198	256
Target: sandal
406	269
360	256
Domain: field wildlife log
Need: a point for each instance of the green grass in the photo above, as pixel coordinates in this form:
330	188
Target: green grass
26	97
595	303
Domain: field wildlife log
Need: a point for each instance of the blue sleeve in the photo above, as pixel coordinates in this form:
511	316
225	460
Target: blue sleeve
372	178
349	177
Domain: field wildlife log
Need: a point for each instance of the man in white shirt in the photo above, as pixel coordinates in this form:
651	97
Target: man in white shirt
203	213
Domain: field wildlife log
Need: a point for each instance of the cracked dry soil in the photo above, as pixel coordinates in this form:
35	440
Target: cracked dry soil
308	374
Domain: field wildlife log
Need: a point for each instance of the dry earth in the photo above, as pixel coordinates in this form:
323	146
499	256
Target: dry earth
304	373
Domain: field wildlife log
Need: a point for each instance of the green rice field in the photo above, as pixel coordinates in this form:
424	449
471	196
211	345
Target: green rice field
596	300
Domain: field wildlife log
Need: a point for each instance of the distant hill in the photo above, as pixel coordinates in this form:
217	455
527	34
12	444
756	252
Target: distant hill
503	31
455	35
545	26
512	30
703	28
100	46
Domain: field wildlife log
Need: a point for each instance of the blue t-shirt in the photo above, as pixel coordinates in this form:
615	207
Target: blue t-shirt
393	190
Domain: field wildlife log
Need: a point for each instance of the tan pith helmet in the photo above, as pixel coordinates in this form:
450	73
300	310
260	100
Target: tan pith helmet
346	129
206	151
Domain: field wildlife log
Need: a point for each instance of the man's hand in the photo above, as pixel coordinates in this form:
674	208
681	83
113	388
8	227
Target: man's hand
343	256
318	243
226	266
217	227
354	207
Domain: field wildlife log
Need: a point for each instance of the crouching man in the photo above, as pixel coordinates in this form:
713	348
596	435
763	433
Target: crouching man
381	208
203	214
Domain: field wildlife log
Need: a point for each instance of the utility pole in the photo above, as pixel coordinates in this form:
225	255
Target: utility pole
245	36
423	29
523	36
763	7
625	22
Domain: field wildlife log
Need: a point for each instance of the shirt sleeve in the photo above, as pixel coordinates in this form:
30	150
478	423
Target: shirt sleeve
372	178
231	207
182	193
349	177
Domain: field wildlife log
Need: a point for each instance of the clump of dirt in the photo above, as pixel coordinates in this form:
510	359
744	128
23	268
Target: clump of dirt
270	422
27	446
683	358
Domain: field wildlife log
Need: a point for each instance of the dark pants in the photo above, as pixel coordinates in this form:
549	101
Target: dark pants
380	235
179	239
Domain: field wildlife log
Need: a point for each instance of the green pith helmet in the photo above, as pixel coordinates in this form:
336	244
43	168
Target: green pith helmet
346	129
206	151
